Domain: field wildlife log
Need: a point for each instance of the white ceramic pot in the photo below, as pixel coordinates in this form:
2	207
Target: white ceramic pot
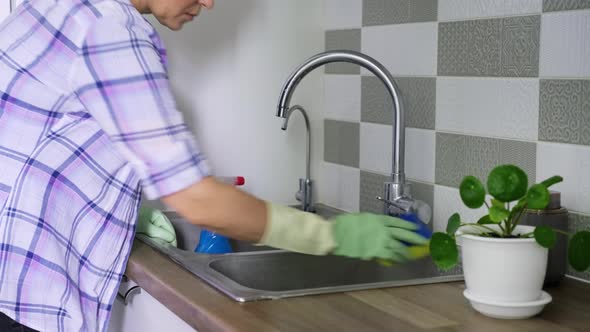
505	270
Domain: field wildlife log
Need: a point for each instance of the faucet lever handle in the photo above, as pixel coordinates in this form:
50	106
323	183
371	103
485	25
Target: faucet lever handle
402	204
405	205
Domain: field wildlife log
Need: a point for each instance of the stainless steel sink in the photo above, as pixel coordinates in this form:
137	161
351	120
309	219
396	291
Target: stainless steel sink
274	274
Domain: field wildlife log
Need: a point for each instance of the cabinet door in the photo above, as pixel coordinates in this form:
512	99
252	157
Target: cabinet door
144	313
4	9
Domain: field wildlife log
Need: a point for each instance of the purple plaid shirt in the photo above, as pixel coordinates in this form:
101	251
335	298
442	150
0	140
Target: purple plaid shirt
86	118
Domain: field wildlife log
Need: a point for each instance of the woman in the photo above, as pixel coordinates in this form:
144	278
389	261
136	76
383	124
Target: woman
87	121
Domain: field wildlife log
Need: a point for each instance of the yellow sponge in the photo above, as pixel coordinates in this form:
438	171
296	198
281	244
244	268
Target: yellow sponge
414	252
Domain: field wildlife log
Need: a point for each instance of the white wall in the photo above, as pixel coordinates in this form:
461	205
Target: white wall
227	69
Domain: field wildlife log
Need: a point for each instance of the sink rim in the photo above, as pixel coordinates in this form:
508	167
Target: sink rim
200	266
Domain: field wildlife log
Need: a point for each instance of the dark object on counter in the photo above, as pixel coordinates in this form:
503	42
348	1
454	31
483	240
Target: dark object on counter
555	217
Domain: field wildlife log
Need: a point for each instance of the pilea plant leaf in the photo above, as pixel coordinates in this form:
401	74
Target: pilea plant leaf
579	251
453	224
497	214
443	250
507	183
485	220
545	236
497	203
551	181
537	197
472	192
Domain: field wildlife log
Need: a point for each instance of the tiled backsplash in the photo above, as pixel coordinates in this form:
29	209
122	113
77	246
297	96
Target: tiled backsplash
483	82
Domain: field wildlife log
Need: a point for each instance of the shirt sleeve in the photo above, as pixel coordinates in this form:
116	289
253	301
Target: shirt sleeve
120	78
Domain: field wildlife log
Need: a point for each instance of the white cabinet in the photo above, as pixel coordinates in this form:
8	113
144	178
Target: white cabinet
144	313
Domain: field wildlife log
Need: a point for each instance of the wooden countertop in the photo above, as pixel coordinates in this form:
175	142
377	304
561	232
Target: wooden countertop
437	307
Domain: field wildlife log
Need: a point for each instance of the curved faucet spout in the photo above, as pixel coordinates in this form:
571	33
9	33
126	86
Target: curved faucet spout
397	171
307	137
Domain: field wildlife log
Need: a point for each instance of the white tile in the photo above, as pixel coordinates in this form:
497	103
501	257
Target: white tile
565	44
404	49
469	9
572	162
447	201
339	186
342	95
420	151
507	108
375	147
343	14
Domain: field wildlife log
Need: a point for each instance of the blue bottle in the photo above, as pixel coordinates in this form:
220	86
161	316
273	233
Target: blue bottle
422	227
213	243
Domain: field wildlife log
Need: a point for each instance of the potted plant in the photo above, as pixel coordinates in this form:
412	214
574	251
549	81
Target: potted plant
504	263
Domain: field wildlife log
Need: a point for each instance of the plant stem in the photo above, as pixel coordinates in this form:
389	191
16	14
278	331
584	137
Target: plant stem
502	228
487	205
562	232
515	223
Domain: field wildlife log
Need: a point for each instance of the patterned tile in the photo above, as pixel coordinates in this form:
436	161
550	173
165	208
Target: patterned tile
471	9
520	46
343	40
564	114
423	192
491	47
519	153
556	5
418	95
341	142
459	155
485	47
453	50
381	12
578	223
372	186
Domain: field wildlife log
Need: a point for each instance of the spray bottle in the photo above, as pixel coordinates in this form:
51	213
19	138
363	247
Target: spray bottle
211	242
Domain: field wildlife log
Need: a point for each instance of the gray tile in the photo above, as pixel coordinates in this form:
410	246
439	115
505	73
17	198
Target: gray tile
556	5
449	159
372	185
458	156
423	192
343	40
579	223
507	47
381	12
485	47
341	142
453	50
418	95
564	111
520	46
521	154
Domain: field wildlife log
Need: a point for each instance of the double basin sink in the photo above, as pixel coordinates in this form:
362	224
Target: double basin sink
257	273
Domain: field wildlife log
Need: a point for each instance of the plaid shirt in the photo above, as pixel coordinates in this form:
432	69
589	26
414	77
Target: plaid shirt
86	117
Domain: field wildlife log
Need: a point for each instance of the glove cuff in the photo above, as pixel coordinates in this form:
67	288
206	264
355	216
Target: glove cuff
297	231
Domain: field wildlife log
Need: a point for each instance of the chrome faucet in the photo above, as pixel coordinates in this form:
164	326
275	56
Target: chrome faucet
396	194
305	194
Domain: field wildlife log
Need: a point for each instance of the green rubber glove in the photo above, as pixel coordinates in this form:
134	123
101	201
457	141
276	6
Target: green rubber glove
374	236
361	235
155	224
